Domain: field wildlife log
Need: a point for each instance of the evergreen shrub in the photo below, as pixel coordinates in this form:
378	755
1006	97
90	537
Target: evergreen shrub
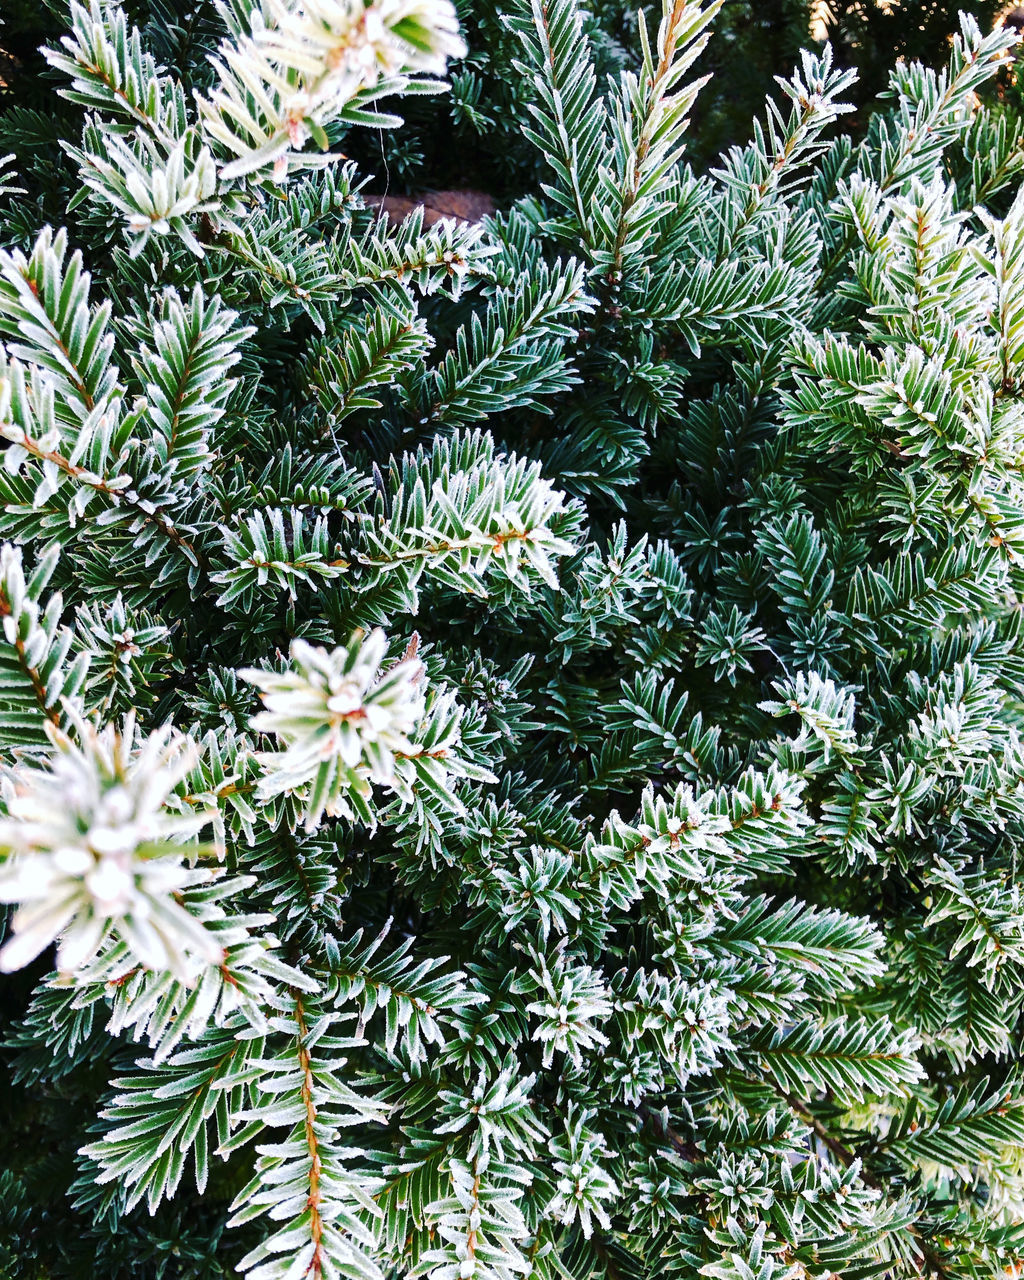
513	728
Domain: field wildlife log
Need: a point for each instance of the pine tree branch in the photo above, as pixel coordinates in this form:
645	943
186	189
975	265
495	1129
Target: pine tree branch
379	363
118	497
651	118
313	1202
693	1154
32	673
790	147
930	1263
916	139
235	247
568	155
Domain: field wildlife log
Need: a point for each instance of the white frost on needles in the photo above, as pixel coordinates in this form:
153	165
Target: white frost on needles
304	63
341	722
349	44
88	849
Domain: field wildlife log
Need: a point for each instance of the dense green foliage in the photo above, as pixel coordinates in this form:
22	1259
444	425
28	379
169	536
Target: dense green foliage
471	138
588	842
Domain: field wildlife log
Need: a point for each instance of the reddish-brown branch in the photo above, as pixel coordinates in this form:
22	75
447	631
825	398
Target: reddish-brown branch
117	496
36	680
313	1200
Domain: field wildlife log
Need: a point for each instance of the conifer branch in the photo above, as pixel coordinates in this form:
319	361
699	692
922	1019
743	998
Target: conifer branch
316	1263
409	816
930	1262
